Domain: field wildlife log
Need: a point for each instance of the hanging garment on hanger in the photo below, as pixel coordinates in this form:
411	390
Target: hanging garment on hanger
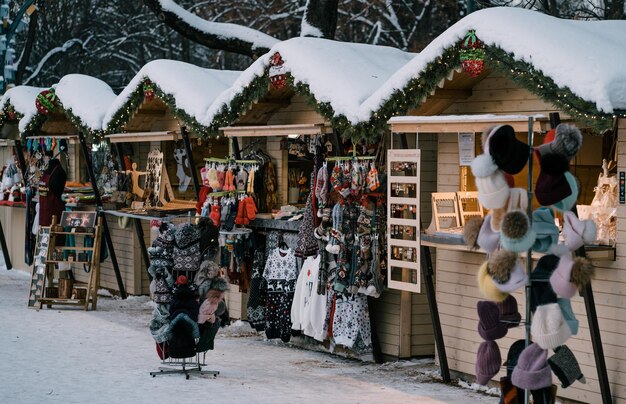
308	311
281	272
351	321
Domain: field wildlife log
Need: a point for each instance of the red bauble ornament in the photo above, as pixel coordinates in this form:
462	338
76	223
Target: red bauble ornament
148	90
46	102
11	115
472	55
278	73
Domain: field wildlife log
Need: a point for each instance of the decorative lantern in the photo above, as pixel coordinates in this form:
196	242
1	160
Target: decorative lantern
46	102
278	73
148	90
472	55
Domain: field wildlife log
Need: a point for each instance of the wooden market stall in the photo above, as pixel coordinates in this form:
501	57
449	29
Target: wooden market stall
15	104
73	110
446	104
159	113
294	91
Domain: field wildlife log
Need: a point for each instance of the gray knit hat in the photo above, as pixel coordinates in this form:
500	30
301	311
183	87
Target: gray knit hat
565	366
567	141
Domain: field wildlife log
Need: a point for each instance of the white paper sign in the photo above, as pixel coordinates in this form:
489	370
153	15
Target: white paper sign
466	148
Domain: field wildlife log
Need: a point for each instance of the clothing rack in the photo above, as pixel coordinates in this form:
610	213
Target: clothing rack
346	158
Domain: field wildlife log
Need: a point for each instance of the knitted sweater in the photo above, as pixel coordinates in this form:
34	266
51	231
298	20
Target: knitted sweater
308	310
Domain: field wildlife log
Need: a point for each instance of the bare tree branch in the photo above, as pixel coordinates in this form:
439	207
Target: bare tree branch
221	36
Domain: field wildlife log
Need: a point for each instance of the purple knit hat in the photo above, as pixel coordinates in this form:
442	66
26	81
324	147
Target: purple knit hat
517	279
532	371
509	313
488	239
489	326
561	278
488	362
577	232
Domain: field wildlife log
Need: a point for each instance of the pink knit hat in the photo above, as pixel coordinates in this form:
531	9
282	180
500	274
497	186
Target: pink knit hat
560	280
577	232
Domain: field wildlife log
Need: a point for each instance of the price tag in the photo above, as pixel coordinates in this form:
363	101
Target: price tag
622	187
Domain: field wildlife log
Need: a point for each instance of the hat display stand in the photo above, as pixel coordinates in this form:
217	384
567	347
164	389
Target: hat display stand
184	366
586	292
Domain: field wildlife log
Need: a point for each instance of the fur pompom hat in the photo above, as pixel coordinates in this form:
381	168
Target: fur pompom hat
487	285
560	280
488	361
567	203
545	229
509	153
532	371
507	271
488	239
549	329
578	232
493	189
567	141
517	234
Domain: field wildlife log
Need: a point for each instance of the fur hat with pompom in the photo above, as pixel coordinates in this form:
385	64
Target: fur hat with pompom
567	141
471	231
488	239
517	234
487	285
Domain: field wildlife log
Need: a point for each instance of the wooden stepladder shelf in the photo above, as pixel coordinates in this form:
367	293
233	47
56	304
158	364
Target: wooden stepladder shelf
55	291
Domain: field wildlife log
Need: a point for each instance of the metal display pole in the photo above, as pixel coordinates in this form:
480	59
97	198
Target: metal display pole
529	262
194	174
105	225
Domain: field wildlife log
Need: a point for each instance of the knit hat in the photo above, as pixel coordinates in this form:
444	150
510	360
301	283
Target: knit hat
513	356
577	232
489	326
186	235
565	204
487	286
488	362
546	231
560	280
549	329
541	291
552	186
509	153
567	141
565	366
517	279
516	234
493	190
509	314
568	314
487	239
532	371
321	185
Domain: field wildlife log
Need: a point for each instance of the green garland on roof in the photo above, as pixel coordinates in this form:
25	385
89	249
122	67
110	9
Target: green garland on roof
525	75
124	114
9	114
36	123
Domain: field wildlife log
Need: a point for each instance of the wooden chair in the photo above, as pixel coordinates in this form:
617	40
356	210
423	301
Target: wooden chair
469	206
445	210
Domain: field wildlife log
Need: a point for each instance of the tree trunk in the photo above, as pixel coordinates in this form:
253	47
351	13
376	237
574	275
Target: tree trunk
28	47
240	39
320	18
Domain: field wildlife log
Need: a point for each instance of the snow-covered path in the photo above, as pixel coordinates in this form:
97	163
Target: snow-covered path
71	356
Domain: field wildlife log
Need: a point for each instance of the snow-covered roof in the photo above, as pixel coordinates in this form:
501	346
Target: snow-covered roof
588	57
22	99
85	100
192	88
338	73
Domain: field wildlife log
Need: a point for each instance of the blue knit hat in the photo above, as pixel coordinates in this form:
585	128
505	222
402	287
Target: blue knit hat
568	314
545	229
568	202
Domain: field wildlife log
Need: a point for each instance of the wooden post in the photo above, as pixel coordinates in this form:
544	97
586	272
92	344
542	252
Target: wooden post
142	245
105	225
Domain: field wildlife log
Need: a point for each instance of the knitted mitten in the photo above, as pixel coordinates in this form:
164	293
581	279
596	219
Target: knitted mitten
241	218
225	209
372	179
250	211
205	181
355	184
232	214
221	176
215	214
336	179
333	246
212	178
228	181
321	185
242	179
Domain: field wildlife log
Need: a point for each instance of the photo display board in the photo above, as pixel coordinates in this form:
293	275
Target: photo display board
403	220
39	265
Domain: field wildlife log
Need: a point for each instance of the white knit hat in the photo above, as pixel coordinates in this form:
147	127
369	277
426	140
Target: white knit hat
549	329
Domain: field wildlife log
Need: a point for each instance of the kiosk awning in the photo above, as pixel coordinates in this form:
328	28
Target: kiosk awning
464	123
276	130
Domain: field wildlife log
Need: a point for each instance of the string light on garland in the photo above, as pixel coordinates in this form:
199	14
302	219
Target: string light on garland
278	73
472	54
46	102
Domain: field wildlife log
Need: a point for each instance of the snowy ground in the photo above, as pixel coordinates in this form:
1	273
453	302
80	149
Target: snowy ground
65	355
